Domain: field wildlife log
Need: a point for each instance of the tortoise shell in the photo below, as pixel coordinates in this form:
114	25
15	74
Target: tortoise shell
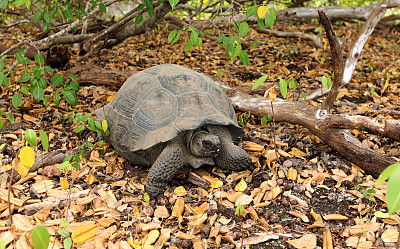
156	104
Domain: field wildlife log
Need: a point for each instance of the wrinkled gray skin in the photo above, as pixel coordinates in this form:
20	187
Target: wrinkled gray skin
169	116
203	147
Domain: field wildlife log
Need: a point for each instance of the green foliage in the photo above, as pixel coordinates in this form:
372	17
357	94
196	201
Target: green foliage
326	81
82	122
258	83
146	197
64	233
173	3
243	120
2	245
239	209
392	191
40	237
30	137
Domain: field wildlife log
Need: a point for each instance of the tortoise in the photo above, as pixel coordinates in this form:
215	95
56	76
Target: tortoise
168	116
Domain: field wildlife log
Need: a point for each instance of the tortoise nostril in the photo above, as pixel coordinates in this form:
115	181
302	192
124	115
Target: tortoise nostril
206	144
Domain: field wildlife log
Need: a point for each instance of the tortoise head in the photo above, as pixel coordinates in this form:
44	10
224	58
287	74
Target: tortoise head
204	144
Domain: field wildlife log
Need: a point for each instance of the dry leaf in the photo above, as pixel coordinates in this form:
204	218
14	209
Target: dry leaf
327	239
308	241
335	217
161	212
297	214
178	208
84	233
214	182
64	183
390	235
180	191
152	237
241	186
292	174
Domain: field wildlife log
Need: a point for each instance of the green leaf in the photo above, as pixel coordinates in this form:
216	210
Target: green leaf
19	3
68	14
80	128
28	4
150	10
25	89
324	81
39	58
283	87
392	192
188	46
73	77
64	223
37	93
42	83
40	237
292	84
70	96
244	57
48	69
56	79
103	8
252	11
173	3
67	243
272	13
139	19
16	100
259	82
387	173
10	117
57	99
146	197
47	16
174	36
30	137
243	29
3	4
25	77
37	16
140	7
63	232
269	21
44	139
74	85
1	124
264	120
19	57
46	26
237	51
46	100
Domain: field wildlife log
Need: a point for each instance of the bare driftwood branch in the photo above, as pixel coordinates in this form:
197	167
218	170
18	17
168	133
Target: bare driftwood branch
340	140
360	40
336	51
315	39
391	128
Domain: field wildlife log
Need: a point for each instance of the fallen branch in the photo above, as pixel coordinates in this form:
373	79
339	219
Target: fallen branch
55	202
391	128
315	39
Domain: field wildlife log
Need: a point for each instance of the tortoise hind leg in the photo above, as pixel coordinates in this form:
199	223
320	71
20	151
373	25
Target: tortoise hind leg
171	159
230	156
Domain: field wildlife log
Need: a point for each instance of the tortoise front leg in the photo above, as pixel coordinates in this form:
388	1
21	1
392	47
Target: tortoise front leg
230	156
171	159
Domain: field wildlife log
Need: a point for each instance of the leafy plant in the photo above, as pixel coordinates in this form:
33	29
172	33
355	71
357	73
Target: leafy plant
82	122
64	233
392	191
